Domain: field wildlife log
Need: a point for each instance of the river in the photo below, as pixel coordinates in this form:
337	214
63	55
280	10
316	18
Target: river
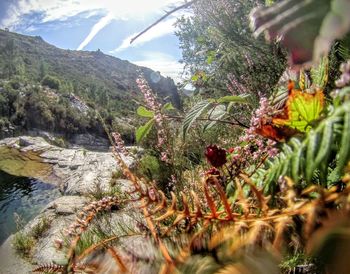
21	199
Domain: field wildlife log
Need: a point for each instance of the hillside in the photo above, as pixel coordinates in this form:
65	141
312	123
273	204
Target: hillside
47	88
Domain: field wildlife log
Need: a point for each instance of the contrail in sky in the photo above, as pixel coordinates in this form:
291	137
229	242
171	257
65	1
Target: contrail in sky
96	29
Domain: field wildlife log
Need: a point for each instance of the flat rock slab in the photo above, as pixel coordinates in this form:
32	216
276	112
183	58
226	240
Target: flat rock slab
10	262
75	171
61	213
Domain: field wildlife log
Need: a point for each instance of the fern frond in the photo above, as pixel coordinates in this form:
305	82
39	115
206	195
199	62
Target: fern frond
276	230
319	74
301	160
343	49
118	260
49	268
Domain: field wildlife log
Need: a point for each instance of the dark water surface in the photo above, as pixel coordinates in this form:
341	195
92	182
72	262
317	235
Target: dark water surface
23	196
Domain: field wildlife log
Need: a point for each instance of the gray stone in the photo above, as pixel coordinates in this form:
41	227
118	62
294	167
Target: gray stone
67	205
78	173
12	263
75	171
89	141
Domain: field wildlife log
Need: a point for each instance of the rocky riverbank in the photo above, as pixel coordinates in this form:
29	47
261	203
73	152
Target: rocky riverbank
79	174
75	171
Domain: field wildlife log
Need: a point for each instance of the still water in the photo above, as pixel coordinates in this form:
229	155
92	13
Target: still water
24	197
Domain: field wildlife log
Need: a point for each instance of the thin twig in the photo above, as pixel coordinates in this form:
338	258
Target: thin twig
258	166
236	123
186	5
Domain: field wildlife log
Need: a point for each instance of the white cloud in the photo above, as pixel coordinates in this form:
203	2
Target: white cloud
96	29
161	29
62	10
166	64
52	10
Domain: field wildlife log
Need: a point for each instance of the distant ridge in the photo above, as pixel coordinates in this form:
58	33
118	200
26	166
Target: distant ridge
105	83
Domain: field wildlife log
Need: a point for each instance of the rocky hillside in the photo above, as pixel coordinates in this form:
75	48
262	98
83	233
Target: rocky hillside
46	88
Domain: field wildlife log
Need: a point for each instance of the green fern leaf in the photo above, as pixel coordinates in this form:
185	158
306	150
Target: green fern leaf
310	159
319	74
216	113
296	158
193	114
344	150
312	147
326	143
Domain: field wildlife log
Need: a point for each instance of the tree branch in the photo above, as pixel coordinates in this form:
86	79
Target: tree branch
186	5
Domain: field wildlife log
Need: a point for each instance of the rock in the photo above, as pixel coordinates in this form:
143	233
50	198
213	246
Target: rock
137	253
90	141
67	205
12	263
61	213
75	171
78	172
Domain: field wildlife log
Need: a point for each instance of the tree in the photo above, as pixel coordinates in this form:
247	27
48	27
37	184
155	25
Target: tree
51	82
217	43
42	70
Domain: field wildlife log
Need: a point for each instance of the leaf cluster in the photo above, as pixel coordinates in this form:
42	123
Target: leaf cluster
320	157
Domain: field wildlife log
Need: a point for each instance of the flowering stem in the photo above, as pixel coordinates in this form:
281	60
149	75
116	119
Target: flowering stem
258	166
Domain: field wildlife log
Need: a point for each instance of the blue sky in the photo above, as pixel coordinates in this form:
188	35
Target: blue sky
107	25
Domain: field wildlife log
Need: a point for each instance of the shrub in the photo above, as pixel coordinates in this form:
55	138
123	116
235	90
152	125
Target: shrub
51	82
23	244
41	227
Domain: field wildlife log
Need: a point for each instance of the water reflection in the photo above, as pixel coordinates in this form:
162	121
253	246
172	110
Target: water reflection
22	196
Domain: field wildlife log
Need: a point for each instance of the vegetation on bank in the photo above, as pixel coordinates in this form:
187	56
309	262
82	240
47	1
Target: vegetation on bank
59	91
254	176
23	242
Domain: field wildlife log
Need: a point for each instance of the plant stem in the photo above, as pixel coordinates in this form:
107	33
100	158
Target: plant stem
236	123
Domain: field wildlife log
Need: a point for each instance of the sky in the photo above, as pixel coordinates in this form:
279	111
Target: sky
107	25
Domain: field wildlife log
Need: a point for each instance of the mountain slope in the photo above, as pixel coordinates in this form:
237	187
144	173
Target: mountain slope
46	87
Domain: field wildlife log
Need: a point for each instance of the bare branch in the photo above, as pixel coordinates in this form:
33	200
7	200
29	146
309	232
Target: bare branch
186	5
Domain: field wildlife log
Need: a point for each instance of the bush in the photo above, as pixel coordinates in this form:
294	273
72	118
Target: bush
23	243
51	82
41	227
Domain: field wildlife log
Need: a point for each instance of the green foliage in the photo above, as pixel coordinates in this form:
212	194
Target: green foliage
193	114
243	229
51	82
106	84
23	244
40	227
118	174
215	108
308	161
144	112
144	130
303	110
295	260
216	42
149	167
89	239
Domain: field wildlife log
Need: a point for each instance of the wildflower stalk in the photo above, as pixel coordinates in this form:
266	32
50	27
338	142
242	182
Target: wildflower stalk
159	118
